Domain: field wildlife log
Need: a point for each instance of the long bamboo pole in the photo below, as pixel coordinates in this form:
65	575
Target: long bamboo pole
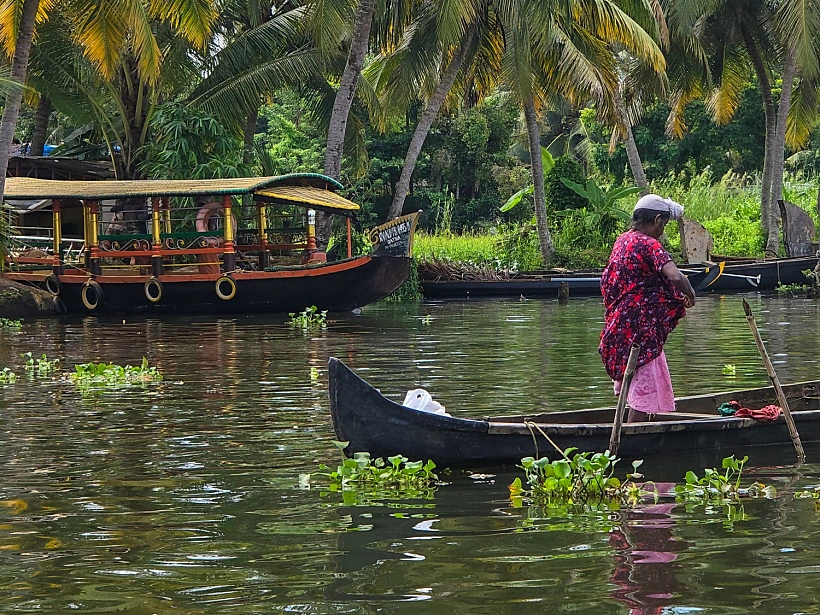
632	361
781	397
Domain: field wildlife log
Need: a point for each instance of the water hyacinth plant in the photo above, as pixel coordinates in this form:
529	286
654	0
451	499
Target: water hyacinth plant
7	376
361	478
8	323
92	374
720	487
43	366
579	478
308	318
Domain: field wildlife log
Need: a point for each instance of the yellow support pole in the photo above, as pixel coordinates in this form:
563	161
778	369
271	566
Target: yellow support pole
228	234
57	224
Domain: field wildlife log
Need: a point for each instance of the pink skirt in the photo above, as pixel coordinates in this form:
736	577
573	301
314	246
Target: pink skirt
651	388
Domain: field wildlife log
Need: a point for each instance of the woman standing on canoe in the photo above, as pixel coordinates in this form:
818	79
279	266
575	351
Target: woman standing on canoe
645	295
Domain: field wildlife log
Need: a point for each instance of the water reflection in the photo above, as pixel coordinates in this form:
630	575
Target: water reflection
646	553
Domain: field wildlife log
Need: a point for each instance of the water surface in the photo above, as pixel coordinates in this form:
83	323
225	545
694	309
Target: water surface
181	496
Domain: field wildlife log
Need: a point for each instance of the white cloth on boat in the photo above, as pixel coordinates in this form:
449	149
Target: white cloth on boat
419	399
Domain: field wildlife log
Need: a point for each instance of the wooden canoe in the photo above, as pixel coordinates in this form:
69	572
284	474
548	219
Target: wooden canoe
373	423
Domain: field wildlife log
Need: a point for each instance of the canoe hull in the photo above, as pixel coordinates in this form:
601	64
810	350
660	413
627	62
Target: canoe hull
372	423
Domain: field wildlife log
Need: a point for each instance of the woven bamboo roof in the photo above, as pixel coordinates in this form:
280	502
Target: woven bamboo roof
306	196
28	188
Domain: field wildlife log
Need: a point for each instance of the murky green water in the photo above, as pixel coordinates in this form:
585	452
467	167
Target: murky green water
181	497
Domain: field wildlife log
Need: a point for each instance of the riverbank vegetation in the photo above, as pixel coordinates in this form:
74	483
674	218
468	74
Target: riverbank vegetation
438	108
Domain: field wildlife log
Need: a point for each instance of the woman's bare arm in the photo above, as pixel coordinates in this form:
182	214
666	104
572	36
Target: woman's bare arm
680	281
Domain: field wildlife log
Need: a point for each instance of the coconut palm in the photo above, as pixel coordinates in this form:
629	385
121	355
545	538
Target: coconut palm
535	50
119	58
741	39
17	23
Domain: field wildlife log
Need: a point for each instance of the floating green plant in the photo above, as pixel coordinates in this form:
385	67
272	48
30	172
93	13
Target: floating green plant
362	478
720	486
43	365
579	478
90	375
309	317
7	376
8	323
729	369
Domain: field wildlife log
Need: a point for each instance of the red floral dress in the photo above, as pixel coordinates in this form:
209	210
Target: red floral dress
642	306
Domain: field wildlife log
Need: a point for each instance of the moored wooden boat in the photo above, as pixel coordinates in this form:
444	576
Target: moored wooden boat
749	275
738	275
373	423
200	246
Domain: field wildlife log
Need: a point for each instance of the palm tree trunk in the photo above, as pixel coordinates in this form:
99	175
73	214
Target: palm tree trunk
425	123
779	149
632	153
341	107
635	163
766	205
19	65
41	117
250	131
539	197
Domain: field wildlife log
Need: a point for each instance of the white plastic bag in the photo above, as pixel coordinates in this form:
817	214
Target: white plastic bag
419	399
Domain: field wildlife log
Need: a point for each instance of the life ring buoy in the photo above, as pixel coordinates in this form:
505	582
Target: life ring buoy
231	290
206	212
91	294
153	290
53	285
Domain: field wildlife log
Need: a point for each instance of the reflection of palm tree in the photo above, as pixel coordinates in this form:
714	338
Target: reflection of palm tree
645	559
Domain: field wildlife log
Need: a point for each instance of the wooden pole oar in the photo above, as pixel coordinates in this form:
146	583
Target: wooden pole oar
781	397
615	438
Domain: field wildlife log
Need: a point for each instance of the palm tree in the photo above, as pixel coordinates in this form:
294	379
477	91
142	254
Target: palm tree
533	49
267	49
130	54
16	38
739	39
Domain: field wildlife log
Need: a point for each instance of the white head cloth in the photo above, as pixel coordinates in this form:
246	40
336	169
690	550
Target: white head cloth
660	204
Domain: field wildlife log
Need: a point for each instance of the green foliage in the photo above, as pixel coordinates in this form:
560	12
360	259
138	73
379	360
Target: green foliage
309	318
548	163
188	143
7	323
94	375
362	478
729	369
602	215
736	146
43	366
580	478
7	376
517	247
290	139
718	487
558	196
792	289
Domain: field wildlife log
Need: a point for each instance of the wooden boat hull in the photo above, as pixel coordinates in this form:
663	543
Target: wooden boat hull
336	286
737	277
758	275
373	423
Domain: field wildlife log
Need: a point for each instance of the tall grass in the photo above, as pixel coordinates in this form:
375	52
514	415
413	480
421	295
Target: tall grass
467	248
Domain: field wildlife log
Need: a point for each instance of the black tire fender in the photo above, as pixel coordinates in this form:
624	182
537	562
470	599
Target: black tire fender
91	294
